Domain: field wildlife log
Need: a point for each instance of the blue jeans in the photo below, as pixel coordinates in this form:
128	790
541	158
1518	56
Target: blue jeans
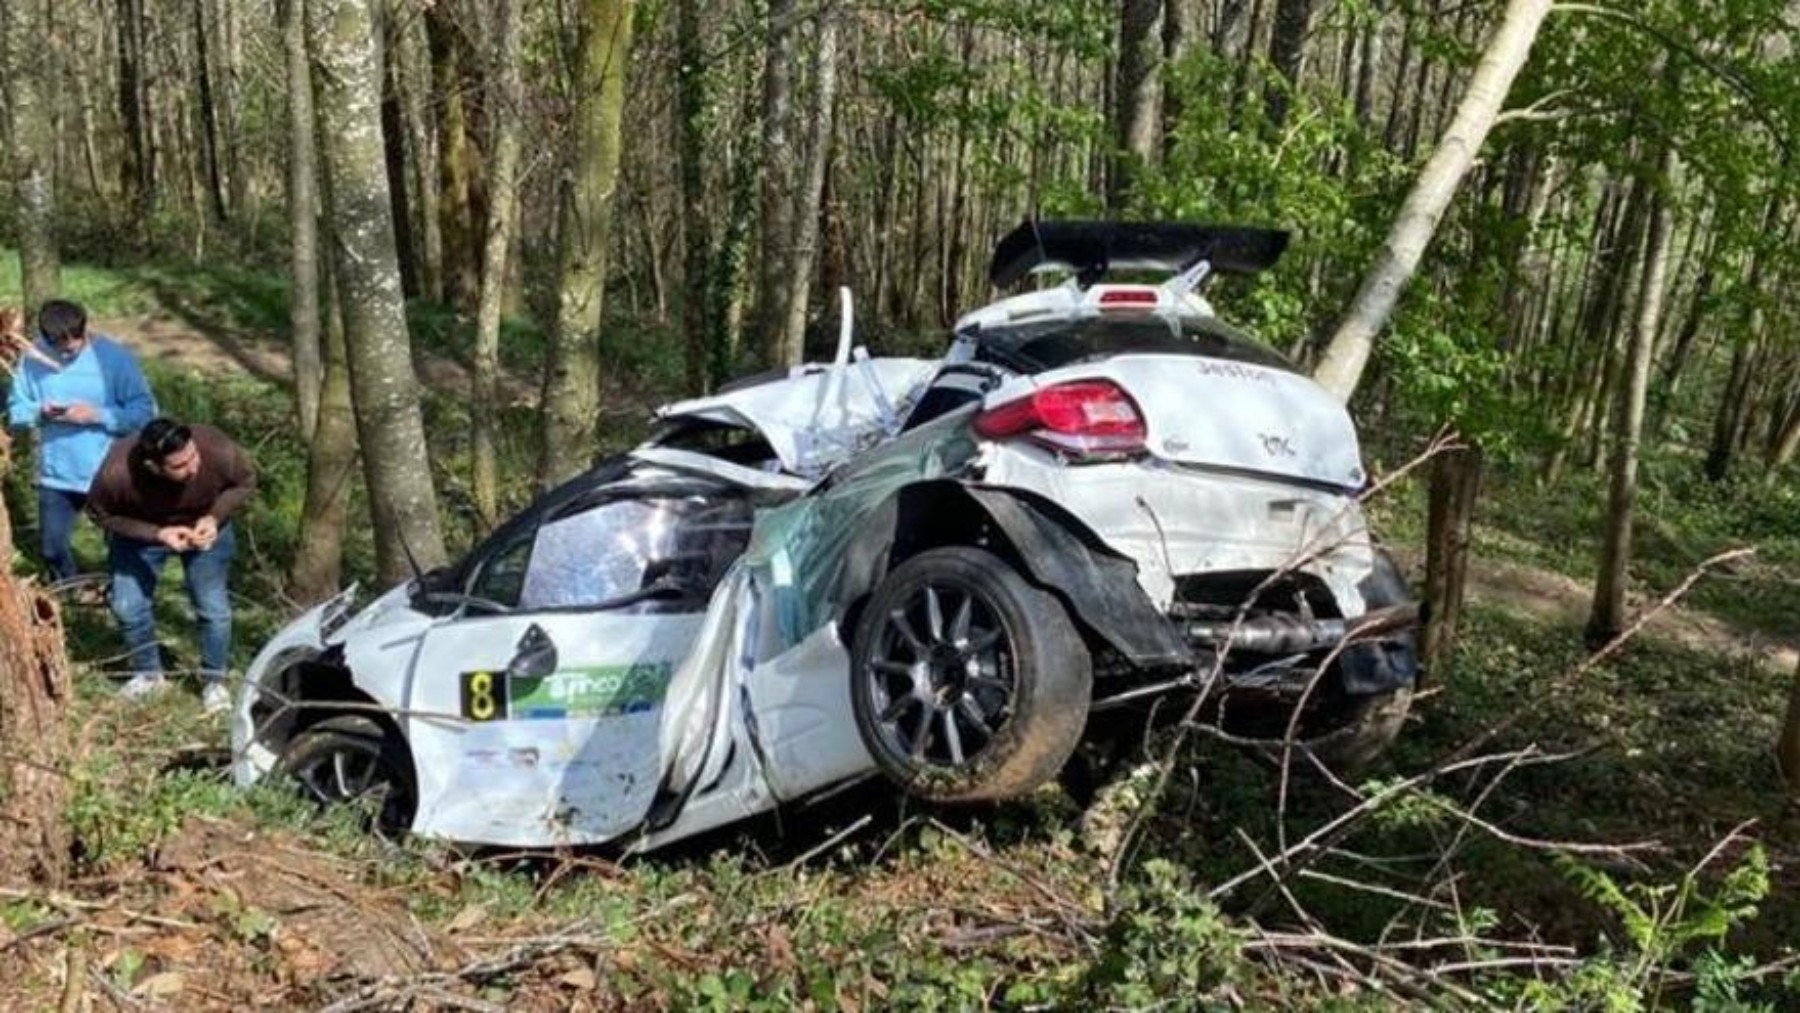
57	512
135	567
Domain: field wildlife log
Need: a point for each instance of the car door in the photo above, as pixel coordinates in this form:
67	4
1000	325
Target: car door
534	715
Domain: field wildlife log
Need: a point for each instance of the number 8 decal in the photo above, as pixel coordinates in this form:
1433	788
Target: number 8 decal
482	698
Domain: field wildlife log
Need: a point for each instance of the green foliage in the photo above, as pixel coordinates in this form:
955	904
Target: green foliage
1166	944
1662	924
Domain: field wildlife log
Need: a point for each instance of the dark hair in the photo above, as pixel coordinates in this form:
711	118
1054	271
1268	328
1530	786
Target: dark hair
60	320
161	437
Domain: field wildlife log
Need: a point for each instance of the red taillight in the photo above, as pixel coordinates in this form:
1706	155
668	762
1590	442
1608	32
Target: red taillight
1128	299
1083	417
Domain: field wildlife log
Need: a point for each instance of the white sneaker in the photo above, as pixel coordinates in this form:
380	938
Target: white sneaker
143	686
215	698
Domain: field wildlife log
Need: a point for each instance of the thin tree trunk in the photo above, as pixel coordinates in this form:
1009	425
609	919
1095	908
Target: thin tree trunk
1287	54
1788	749
393	151
1135	95
459	223
572	374
318	565
303	211
1348	353
1455	487
209	115
33	151
1368	64
390	426
1180	30
777	197
695	149
508	113
806	230
137	167
1608	617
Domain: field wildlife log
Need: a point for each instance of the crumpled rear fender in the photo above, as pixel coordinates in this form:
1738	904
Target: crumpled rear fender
1053	549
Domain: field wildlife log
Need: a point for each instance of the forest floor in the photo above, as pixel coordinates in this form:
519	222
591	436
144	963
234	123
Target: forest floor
190	893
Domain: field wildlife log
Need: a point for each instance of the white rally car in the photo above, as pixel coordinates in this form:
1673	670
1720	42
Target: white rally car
947	572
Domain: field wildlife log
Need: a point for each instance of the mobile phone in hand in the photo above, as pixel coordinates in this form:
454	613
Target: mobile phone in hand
56	411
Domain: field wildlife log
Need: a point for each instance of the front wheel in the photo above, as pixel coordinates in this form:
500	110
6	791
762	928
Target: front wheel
967	682
353	761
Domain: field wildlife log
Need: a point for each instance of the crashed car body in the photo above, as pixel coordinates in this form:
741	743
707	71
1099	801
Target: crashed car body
945	571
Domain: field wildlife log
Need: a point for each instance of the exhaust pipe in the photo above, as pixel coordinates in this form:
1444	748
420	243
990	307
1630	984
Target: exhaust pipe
1285	633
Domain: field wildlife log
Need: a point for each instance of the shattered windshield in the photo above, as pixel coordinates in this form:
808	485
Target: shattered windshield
1036	348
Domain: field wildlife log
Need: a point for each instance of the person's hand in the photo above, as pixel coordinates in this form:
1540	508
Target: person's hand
176	539
81	413
55	412
206	532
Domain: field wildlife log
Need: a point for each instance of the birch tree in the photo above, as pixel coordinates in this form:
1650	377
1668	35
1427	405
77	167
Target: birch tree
812	189
1608	616
347	82
303	212
1341	368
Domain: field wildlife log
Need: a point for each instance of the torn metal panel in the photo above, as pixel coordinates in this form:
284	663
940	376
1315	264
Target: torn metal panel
819	416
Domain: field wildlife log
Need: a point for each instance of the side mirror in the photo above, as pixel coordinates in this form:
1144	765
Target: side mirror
535	657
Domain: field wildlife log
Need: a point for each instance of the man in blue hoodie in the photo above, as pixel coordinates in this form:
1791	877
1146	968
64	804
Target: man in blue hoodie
96	392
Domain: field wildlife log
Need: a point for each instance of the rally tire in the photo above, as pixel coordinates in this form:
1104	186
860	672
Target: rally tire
967	682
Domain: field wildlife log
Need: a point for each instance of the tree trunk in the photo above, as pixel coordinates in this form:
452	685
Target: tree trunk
1788	749
390	427
572	373
137	166
318	567
33	150
393	151
507	107
1180	30
1135	96
1608	617
1342	366
695	150
34	692
777	197
1287	53
303	211
459	220
1455	487
806	213
209	115
1368	64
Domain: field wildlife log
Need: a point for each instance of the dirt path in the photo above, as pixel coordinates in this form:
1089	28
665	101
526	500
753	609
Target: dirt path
178	345
1551	597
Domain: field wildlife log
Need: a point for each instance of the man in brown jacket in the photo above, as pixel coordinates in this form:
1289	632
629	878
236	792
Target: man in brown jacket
171	490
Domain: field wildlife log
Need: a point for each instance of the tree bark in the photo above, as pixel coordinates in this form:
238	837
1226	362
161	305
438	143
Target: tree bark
33	151
1135	96
1788	749
572	374
318	566
507	106
1455	488
394	143
303	212
1287	54
1608	617
1342	367
818	154
776	198
209	115
34	693
347	81
691	87
459	217
137	166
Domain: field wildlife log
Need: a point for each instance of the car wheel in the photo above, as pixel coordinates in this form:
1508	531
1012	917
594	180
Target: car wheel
353	761
1371	726
967	682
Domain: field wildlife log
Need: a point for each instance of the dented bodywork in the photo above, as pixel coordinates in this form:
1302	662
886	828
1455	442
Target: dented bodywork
663	645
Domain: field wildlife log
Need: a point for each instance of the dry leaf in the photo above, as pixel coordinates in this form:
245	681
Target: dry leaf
161	986
581	979
468	918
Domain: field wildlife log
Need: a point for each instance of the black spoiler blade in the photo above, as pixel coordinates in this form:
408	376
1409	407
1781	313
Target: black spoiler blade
1092	248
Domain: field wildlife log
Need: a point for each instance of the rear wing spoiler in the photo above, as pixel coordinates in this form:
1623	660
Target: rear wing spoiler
1093	248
